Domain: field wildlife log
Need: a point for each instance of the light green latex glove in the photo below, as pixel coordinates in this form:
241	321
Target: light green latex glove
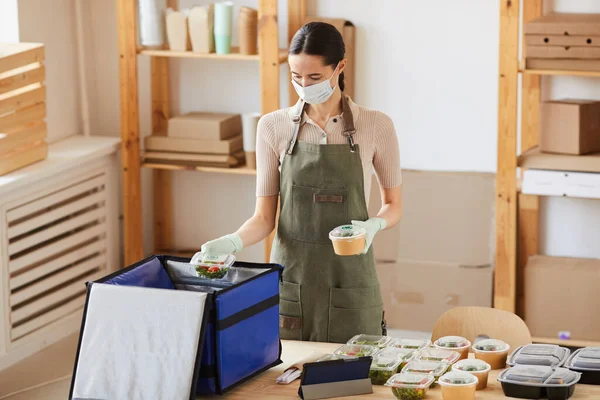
227	244
372	226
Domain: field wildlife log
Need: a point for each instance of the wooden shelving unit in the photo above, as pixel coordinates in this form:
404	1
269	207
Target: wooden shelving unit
270	58
517	214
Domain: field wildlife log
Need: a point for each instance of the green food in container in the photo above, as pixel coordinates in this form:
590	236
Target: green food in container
388	362
370	340
408	386
211	272
355	351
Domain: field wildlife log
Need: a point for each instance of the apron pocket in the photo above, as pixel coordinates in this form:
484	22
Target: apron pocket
290	311
315	212
353	311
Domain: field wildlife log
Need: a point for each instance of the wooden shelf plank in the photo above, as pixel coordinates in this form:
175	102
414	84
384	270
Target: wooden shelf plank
566	343
552	72
535	159
234	55
176	167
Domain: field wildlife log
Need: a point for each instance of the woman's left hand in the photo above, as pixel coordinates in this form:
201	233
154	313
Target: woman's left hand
372	226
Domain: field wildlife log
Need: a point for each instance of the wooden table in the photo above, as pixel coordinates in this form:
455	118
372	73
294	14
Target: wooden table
263	387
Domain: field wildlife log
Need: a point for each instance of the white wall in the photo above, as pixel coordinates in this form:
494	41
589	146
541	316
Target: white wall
434	73
9	21
53	23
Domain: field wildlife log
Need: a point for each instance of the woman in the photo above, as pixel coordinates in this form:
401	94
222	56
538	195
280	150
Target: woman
318	156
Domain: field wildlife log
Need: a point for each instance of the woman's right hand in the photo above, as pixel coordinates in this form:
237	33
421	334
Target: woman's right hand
227	244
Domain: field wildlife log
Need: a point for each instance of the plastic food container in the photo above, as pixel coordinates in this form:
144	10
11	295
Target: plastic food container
587	362
479	368
447	356
328	357
370	340
433	368
348	240
536	381
492	351
386	363
405	355
407	386
355	351
539	354
214	267
456	343
413	344
458	385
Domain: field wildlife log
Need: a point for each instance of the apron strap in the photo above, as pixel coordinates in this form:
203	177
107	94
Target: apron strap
349	129
296	118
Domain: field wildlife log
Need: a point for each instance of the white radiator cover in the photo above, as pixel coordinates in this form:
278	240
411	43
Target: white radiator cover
55	235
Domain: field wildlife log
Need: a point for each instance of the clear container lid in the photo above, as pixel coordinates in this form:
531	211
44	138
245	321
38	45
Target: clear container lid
458	378
491	345
586	359
385	363
448	356
221	261
471	365
452	342
536	375
410	381
426	367
404	355
369	340
414	344
347	232
355	351
539	354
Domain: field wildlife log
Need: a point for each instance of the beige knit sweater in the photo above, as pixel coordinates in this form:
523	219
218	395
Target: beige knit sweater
375	135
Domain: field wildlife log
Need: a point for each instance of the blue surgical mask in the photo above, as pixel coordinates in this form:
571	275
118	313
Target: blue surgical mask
317	93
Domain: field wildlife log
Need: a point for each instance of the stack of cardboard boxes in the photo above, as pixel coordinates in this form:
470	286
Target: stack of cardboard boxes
199	138
440	255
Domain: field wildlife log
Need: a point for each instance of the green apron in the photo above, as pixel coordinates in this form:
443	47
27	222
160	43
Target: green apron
323	297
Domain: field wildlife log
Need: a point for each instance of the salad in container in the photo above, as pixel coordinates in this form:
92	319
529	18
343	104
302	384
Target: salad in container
458	385
413	344
388	362
355	351
432	354
587	362
348	240
479	368
408	386
214	267
492	351
433	368
370	340
538	381
456	343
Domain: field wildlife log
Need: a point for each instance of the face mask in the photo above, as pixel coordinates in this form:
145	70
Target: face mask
317	93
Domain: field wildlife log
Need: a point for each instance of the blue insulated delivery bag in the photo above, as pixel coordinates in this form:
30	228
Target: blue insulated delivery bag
154	327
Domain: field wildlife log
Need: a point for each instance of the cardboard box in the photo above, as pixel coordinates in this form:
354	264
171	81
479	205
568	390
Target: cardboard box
570	126
448	217
562	65
561	294
174	144
416	293
535	159
570	24
205	126
560	183
563	52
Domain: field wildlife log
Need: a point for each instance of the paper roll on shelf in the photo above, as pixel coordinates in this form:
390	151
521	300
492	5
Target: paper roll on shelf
248	30
151	26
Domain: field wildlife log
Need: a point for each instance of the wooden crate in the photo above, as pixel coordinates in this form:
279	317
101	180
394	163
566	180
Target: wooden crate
22	106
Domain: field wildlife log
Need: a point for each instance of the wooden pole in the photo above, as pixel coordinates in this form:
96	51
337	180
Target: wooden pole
506	177
268	39
130	131
296	18
529	211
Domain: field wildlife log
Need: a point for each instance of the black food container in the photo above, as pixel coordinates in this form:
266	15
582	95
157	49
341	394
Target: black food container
587	362
538	382
549	355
